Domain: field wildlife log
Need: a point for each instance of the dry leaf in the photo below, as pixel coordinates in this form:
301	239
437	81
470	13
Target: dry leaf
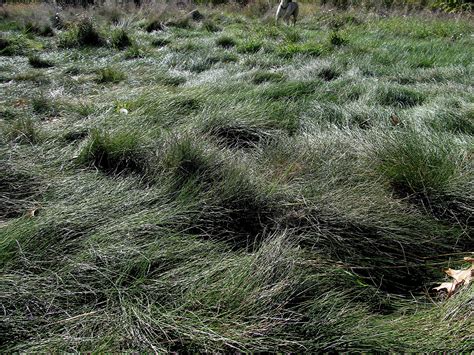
461	277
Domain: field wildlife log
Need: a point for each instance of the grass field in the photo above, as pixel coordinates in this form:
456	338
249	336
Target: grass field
228	185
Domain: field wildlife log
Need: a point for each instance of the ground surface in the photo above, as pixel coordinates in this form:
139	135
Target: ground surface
227	184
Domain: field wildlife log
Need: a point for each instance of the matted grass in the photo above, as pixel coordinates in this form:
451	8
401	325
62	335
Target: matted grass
225	185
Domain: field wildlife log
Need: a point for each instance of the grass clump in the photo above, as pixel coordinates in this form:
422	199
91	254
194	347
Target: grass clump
292	36
110	75
250	46
209	26
4	43
289	90
186	47
244	211
83	34
75	135
189	163
458	120
154	25
160	42
238	136
37	62
120	39
40	29
336	39
134	51
328	73
33	76
182	22
218	202
7	47
22	131
7	114
265	76
114	153
17	45
169	80
420	165
452	6
87	35
83	109
204	64
287	51
42	105
430	172
225	57
226	42
235	209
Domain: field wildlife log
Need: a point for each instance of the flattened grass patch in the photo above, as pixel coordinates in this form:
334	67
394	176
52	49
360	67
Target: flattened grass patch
18	190
290	89
288	51
399	96
160	42
267	76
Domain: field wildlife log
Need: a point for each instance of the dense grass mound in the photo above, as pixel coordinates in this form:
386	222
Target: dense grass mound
82	34
226	42
430	171
114	153
416	164
221	184
37	62
232	208
121	39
